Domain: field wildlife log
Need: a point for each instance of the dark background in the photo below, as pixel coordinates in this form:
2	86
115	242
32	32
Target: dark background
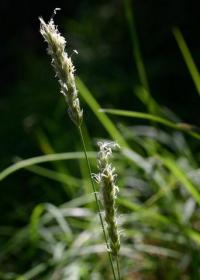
32	111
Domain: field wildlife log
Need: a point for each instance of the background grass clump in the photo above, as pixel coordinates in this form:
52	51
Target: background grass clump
139	85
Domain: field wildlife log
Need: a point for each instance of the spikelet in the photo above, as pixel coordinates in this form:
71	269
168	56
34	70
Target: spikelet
63	67
106	178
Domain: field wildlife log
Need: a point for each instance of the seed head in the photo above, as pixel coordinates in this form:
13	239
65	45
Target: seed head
63	67
106	178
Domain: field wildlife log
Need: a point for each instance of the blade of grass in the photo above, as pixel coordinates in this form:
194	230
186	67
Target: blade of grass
144	96
47	148
159	194
139	115
34	222
61	221
143	211
189	61
32	273
149	215
182	178
194	235
102	117
41	159
70	181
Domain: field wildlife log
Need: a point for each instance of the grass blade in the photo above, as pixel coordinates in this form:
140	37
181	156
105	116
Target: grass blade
105	121
192	68
182	178
66	179
140	115
41	159
32	273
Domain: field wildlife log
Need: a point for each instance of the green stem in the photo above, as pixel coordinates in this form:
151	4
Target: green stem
118	268
97	202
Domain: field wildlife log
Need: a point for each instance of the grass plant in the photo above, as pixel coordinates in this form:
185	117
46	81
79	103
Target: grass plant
64	69
159	182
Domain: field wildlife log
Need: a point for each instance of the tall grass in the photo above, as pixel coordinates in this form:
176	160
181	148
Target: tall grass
159	182
64	70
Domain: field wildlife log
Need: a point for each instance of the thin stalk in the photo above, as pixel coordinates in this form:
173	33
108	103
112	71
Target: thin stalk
97	202
118	268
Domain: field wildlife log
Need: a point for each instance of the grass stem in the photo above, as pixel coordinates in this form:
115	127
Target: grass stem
97	201
118	268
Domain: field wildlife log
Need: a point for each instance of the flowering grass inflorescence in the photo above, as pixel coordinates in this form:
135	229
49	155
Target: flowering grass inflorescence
63	67
106	178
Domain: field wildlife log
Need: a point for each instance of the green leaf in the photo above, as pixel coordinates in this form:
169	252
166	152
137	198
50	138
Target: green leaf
41	159
182	178
34	221
192	68
140	115
95	107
